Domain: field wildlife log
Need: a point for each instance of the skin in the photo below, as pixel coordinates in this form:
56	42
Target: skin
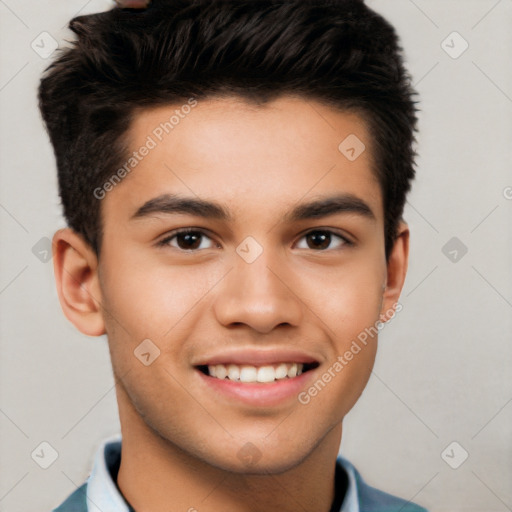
182	441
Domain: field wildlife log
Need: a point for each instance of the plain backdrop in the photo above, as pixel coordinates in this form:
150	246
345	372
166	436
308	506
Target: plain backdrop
441	388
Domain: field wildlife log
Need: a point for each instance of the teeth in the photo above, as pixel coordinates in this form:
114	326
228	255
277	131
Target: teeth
248	373
281	371
221	372
233	372
266	374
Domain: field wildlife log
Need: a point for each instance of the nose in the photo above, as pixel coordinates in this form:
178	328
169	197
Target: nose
260	295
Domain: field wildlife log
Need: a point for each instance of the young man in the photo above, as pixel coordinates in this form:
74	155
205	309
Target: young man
233	175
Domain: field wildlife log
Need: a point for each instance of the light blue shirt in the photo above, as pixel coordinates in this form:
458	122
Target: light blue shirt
100	493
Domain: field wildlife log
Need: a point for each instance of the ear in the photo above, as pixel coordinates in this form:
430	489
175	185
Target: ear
396	271
76	274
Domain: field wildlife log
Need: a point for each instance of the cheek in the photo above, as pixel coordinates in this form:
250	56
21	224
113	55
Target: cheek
349	308
149	296
347	300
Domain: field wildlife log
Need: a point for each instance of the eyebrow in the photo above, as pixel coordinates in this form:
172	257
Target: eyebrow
331	205
173	203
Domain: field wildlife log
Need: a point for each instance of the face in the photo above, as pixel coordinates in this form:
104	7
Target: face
249	250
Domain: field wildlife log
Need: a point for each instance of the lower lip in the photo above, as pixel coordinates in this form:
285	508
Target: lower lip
258	394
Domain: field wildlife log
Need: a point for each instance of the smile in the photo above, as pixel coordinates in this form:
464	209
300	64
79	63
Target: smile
251	374
261	374
268	377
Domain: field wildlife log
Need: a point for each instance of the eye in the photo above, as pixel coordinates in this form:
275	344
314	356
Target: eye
320	239
187	239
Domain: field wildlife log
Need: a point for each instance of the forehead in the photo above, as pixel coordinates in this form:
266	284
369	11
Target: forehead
246	155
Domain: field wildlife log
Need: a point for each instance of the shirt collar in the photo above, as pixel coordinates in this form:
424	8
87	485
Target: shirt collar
102	492
104	496
351	500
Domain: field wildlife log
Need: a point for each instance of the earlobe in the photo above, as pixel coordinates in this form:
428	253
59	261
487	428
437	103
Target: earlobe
396	272
76	274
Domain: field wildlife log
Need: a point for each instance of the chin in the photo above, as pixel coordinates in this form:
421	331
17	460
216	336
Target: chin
259	456
277	464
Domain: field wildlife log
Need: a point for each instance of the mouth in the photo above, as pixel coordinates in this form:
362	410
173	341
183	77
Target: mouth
261	379
250	374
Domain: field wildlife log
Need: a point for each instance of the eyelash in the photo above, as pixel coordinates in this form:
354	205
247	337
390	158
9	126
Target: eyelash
185	231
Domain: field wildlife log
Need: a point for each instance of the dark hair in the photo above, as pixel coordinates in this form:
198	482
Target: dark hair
338	52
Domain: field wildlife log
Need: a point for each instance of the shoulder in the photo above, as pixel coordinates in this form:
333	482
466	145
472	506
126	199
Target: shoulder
371	499
75	502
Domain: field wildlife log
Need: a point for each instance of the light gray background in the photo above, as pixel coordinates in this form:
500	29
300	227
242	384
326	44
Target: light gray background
443	370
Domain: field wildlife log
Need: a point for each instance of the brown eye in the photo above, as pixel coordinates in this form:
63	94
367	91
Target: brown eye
321	240
187	240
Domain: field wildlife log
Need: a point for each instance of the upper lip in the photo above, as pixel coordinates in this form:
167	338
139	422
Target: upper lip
258	357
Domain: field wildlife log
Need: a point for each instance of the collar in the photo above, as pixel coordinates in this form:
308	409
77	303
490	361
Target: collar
103	494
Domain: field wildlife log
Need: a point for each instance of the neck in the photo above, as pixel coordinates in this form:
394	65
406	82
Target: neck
155	475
